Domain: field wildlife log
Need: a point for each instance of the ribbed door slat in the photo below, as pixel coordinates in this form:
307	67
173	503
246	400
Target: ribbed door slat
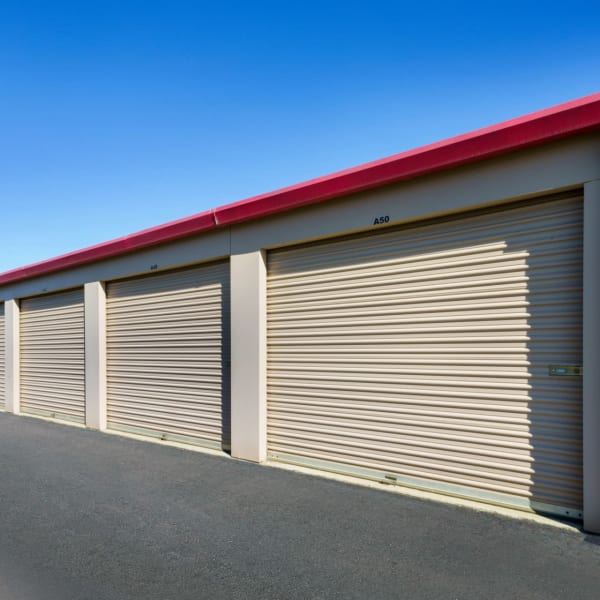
168	353
2	359
53	355
422	354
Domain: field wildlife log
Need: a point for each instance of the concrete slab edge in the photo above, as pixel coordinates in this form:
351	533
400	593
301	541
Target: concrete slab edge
511	513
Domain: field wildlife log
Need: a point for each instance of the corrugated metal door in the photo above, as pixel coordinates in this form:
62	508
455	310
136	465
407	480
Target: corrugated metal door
168	355
2	359
53	355
423	355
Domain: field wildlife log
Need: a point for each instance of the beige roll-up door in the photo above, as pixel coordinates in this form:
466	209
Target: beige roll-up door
53	355
441	356
168	355
2	359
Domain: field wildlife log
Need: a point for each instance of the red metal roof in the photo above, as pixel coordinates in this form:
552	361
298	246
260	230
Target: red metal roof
572	118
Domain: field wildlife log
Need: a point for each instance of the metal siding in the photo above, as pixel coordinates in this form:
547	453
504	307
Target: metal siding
53	355
2	359
168	354
421	354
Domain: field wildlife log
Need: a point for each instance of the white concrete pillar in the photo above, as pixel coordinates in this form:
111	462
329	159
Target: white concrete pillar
95	355
12	356
591	360
248	356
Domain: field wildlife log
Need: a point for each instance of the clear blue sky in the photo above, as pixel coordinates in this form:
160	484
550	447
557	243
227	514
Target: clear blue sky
116	116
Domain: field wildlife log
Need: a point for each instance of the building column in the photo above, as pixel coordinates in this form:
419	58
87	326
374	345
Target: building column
248	356
95	355
591	352
12	356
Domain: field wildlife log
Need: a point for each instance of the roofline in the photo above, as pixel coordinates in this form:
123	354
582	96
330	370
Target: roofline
561	121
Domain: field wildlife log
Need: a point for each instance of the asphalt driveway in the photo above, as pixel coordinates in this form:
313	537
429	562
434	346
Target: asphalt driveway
85	515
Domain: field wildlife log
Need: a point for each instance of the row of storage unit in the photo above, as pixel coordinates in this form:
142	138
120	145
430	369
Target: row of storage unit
442	354
167	354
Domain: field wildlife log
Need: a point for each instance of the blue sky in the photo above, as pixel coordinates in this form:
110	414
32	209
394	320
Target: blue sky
117	116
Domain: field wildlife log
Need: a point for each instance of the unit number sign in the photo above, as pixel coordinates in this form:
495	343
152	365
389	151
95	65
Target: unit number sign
381	220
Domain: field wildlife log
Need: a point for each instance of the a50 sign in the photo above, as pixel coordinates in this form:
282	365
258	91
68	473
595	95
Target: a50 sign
381	220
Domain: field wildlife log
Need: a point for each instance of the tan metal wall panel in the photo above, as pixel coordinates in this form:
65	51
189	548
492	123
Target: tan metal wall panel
2	359
422	354
53	355
168	354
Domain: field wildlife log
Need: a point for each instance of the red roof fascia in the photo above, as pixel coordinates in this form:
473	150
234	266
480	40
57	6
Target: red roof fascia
123	245
572	118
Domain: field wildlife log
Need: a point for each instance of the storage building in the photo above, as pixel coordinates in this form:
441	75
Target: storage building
428	320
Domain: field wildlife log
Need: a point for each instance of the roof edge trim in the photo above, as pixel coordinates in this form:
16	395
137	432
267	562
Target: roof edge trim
552	124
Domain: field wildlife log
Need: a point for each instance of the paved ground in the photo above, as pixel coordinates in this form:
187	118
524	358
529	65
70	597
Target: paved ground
85	515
